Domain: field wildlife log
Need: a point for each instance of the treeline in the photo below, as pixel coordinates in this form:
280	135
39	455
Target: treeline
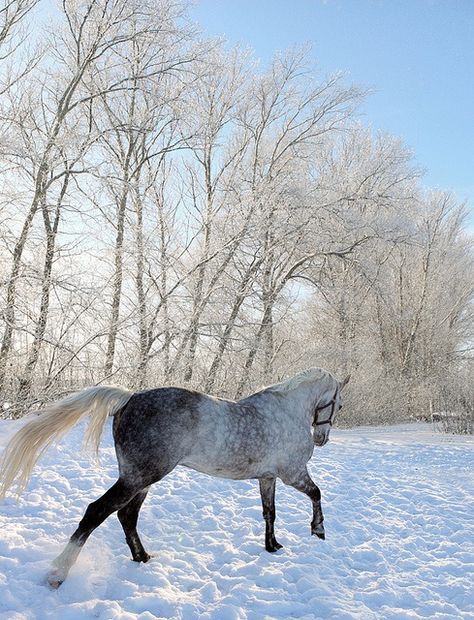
171	212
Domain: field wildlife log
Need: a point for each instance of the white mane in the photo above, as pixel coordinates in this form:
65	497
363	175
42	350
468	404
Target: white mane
305	376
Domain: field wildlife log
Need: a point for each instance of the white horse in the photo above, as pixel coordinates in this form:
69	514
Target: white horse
266	436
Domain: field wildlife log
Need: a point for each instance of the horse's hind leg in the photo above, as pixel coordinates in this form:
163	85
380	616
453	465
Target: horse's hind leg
114	499
267	493
302	482
128	517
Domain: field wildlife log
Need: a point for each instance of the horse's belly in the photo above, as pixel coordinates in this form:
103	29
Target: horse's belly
236	469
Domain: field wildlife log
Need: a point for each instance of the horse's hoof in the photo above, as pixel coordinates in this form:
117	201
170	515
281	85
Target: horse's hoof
274	547
54	580
319	532
143	557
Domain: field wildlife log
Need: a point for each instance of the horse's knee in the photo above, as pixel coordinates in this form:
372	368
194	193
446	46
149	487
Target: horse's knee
299	480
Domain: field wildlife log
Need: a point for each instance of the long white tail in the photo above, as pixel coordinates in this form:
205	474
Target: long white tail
29	443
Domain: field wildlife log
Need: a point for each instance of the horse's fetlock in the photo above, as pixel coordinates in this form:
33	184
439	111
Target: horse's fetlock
318	530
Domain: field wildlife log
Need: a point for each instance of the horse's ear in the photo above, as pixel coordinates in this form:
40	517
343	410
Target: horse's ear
345	381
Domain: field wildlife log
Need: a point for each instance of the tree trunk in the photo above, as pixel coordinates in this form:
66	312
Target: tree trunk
142	324
252	353
9	314
117	286
198	293
225	339
223	343
41	322
163	279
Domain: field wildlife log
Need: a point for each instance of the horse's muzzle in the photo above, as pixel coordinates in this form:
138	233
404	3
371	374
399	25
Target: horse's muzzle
320	441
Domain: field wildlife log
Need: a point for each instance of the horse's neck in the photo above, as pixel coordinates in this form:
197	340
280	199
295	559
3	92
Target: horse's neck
324	391
311	395
300	402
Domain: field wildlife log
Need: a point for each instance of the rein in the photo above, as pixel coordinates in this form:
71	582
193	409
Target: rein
333	411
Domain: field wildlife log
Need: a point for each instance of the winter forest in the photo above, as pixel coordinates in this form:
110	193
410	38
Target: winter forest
172	211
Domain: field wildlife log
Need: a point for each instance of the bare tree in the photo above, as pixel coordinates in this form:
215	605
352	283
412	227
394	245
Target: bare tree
92	34
171	213
290	121
13	35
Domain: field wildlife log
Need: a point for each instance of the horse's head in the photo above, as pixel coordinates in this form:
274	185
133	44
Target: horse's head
325	413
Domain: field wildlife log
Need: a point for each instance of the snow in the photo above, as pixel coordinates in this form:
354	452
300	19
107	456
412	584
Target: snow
398	505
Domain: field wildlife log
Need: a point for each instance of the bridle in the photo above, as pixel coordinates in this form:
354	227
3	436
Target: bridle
329	421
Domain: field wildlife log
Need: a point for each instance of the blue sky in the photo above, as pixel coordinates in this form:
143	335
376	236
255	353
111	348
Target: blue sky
416	55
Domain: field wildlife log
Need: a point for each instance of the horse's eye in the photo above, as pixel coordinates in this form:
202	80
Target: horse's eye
340	407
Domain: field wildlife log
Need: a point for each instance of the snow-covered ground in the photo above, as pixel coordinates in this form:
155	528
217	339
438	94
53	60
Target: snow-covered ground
399	543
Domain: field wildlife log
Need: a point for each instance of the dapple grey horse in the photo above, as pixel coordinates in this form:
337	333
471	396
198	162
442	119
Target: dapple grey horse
268	435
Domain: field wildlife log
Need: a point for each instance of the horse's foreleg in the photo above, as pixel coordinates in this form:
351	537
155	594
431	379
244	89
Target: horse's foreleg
114	499
267	493
128	517
305	484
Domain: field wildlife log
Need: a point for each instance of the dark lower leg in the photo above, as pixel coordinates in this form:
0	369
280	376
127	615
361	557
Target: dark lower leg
306	485
128	517
267	493
116	497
